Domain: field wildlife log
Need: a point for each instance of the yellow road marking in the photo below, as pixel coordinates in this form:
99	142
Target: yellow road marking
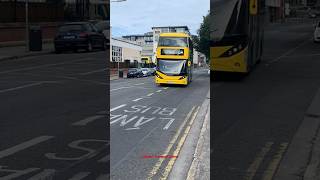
270	171
180	143
157	166
257	161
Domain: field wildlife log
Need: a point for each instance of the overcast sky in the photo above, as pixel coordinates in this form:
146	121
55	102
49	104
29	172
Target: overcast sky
138	16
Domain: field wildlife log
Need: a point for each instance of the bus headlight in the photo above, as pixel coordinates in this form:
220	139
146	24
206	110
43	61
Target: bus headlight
232	51
182	77
156	74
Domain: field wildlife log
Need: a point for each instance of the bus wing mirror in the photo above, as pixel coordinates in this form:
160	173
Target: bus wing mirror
253	7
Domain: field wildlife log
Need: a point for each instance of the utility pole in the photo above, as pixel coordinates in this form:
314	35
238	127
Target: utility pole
27	25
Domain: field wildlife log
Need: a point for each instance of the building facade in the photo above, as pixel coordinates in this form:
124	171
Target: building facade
145	40
125	52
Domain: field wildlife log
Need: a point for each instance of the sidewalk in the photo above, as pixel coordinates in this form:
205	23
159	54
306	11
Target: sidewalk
15	52
194	158
302	159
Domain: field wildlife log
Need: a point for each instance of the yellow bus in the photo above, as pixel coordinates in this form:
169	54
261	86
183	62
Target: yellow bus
236	34
146	62
174	59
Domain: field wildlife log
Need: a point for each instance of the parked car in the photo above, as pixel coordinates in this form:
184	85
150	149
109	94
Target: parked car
78	35
146	72
152	71
103	27
134	72
316	34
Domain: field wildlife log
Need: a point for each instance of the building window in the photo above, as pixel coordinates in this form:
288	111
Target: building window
116	54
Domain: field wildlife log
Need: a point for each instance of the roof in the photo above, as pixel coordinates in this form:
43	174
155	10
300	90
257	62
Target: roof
171	27
174	34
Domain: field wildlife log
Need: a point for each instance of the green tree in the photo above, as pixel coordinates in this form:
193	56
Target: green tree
202	40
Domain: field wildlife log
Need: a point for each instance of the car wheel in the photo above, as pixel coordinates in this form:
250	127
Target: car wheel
89	46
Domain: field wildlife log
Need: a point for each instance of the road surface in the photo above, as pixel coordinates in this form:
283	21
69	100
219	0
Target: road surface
255	117
148	121
53	117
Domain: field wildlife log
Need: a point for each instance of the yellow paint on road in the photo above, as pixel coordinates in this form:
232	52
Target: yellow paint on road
273	165
157	166
179	146
257	161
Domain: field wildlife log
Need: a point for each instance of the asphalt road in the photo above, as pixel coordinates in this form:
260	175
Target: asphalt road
256	116
53	117
148	121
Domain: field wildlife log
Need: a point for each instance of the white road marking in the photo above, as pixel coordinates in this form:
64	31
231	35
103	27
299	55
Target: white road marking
288	52
165	88
138	99
41	66
24	145
80	176
15	173
45	174
87	120
104	159
21	87
169	123
138	84
159	90
95	71
125	87
150	94
134	128
118	107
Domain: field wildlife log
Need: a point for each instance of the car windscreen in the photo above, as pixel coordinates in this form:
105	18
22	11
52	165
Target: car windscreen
172	67
71	28
173	41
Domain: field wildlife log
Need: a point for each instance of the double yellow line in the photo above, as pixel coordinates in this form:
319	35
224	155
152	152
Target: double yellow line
273	165
190	117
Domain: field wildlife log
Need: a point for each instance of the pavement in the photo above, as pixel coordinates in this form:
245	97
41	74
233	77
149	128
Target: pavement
258	117
150	125
15	52
53	117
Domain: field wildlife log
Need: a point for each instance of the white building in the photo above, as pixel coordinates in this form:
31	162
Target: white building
125	51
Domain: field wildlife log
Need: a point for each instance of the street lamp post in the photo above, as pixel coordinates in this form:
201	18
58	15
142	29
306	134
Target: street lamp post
118	59
27	25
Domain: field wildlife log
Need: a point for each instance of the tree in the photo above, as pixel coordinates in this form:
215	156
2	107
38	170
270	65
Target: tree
202	40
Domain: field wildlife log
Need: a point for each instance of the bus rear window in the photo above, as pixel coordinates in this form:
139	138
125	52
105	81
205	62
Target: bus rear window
173	41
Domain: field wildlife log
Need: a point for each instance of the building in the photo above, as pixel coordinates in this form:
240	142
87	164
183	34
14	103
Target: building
145	40
164	29
275	10
47	14
125	52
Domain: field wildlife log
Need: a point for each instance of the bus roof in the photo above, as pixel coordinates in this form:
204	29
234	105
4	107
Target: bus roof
174	34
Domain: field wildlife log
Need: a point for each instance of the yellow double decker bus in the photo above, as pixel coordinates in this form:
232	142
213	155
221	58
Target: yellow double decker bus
236	34
174	59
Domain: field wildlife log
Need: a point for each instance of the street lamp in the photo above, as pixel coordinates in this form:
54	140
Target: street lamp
110	41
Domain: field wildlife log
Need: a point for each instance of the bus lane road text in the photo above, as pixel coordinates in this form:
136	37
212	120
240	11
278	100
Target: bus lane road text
134	117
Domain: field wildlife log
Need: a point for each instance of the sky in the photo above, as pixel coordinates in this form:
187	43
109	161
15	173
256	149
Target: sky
138	16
